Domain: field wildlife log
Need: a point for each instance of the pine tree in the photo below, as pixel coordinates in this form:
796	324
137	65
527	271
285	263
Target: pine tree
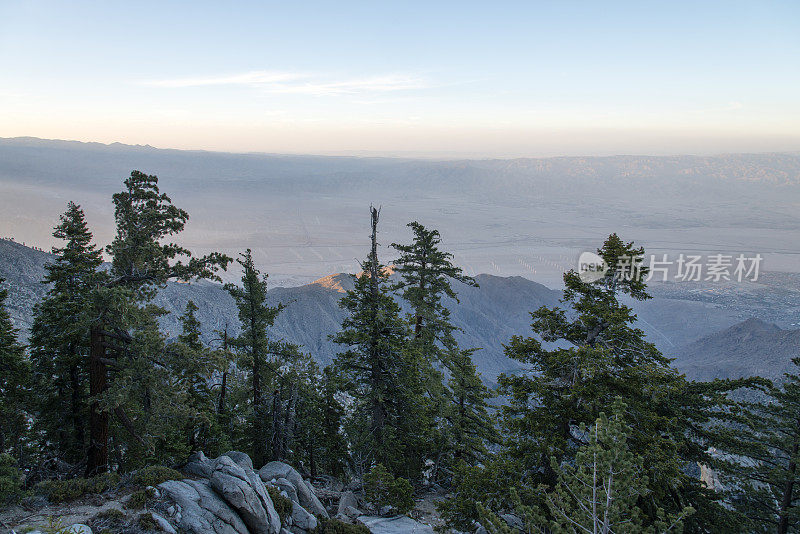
320	414
601	355
599	491
141	264
426	274
458	415
760	463
194	365
379	372
14	383
470	426
253	345
60	338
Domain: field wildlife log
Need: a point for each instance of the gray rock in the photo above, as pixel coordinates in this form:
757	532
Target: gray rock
400	524
163	524
302	519
481	530
198	465
240	458
513	521
78	528
305	493
350	512
202	510
347	499
287	487
245	492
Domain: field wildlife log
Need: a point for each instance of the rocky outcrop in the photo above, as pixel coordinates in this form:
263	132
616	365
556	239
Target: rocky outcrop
400	524
274	471
244	491
230	497
200	510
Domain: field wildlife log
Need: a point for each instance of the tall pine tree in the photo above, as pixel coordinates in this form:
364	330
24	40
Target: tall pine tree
141	264
761	464
379	372
253	345
597	355
60	338
14	383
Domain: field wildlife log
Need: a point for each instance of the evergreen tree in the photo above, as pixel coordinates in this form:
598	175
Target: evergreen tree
141	264
379	372
470	425
426	274
598	492
458	415
14	383
320	414
600	355
253	345
194	365
760	464
60	338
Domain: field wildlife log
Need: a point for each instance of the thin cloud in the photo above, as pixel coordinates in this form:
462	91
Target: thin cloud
299	83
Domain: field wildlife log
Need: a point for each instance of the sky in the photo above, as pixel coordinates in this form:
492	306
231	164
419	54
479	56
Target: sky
475	79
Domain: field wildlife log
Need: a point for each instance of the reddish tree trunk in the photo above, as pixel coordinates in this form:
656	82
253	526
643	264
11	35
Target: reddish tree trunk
97	457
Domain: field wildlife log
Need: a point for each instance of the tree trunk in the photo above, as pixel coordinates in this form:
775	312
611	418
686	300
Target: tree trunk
223	390
77	416
259	445
786	502
97	457
378	416
288	421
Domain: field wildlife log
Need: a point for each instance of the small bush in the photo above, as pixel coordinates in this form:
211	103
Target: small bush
138	499
10	485
282	504
109	520
383	489
111	514
68	490
154	475
334	526
146	522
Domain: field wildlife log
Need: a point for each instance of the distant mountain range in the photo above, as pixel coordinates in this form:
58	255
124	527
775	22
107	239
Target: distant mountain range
752	347
707	340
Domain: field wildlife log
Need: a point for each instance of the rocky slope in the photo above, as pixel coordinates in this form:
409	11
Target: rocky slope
488	316
752	347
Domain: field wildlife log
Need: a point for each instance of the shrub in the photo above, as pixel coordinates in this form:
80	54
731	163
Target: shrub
10	485
383	489
282	504
138	499
146	522
154	475
69	490
334	526
111	514
109	520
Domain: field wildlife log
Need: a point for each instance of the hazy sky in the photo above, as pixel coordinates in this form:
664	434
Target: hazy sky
446	78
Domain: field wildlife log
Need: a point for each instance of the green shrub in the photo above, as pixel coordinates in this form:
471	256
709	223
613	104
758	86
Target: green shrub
111	514
334	526
154	475
282	504
146	522
383	489
10	485
138	499
110	520
69	490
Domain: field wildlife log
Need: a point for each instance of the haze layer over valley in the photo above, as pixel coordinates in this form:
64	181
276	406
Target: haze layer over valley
303	215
